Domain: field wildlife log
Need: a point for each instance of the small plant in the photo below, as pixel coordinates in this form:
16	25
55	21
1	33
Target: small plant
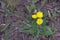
37	24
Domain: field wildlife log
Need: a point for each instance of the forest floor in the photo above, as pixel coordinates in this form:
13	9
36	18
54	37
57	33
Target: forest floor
14	18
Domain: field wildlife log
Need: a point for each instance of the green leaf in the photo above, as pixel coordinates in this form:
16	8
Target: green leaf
4	27
45	30
4	7
25	29
49	31
54	14
34	1
44	22
6	37
30	7
45	13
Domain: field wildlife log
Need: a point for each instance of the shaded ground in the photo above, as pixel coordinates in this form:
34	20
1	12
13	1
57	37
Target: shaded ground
13	20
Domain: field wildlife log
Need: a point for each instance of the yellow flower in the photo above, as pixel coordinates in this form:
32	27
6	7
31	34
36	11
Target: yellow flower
39	14
34	16
39	21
